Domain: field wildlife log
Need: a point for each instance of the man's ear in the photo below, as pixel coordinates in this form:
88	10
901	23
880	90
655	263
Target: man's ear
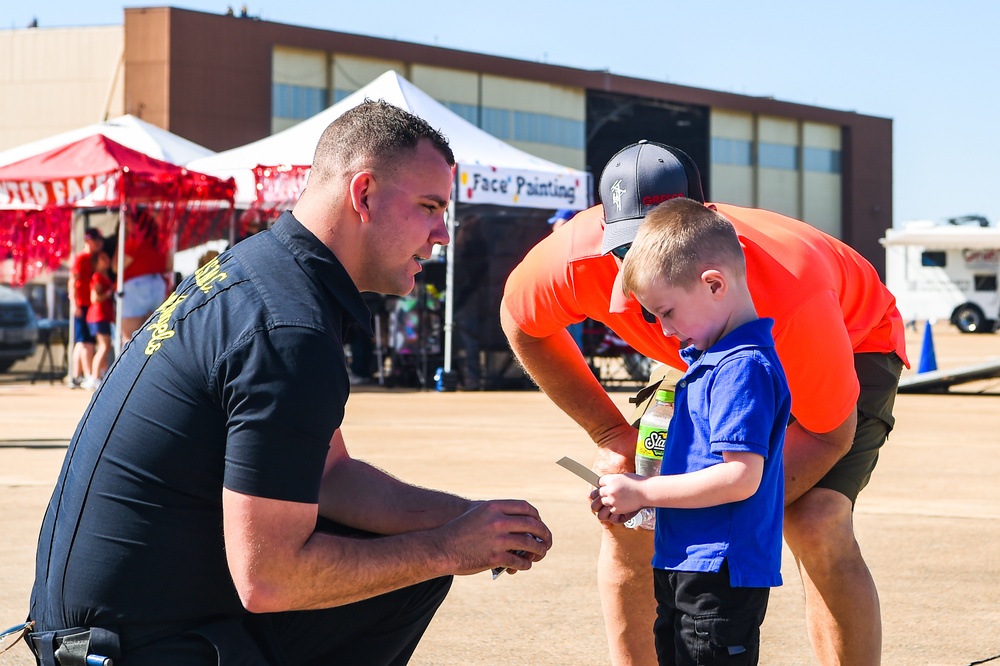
716	282
362	188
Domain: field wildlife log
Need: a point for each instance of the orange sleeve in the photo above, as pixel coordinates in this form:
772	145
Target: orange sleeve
539	292
818	359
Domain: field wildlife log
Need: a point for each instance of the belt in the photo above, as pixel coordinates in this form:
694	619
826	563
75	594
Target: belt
78	646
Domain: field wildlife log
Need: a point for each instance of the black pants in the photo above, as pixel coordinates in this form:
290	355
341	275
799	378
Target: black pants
701	619
380	630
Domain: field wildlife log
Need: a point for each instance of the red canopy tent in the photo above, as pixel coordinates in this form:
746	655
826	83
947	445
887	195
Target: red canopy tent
39	193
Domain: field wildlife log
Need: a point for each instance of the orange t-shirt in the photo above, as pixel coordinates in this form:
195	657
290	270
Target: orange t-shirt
827	302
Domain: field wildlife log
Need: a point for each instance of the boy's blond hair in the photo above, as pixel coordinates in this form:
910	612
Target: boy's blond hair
677	241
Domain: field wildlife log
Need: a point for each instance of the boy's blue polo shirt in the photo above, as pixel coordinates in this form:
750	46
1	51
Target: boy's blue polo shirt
733	397
237	381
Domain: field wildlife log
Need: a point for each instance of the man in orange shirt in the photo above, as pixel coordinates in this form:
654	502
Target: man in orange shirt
835	322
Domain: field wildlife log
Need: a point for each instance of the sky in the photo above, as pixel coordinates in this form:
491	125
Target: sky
930	67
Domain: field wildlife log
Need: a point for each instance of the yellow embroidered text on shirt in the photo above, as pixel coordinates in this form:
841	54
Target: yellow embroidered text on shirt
208	274
205	277
161	327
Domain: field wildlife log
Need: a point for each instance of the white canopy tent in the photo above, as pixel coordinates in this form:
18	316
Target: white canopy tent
489	171
127	130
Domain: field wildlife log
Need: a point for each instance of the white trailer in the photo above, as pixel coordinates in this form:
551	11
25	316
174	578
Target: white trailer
945	272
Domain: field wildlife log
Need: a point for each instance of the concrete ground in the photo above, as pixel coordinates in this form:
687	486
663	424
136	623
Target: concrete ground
929	522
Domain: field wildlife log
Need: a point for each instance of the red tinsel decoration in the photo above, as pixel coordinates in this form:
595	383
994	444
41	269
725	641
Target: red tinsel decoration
35	241
278	188
172	211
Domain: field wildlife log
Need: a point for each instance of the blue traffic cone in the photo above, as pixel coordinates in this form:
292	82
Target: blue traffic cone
928	361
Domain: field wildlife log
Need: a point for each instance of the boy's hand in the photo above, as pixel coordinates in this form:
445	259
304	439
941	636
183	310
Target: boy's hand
618	498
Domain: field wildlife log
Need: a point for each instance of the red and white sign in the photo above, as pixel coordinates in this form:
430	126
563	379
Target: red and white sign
59	192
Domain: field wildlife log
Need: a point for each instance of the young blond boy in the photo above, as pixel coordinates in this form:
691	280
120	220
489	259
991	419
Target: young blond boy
720	497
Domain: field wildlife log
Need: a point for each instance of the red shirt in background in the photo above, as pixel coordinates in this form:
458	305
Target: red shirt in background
102	310
83	269
146	259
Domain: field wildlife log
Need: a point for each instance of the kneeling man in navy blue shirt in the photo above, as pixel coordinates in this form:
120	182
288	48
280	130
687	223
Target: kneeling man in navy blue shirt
208	511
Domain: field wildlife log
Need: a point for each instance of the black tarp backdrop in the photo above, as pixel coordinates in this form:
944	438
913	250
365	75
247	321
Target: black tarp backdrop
489	242
615	121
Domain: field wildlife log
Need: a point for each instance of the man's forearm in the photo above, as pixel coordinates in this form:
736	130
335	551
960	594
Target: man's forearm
279	562
381	503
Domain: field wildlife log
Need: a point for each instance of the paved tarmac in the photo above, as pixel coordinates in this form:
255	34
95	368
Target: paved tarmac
929	522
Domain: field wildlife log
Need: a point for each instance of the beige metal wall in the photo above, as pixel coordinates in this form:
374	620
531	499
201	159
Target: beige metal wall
789	186
544	99
351	73
822	197
778	189
53	80
733	183
448	86
298	67
469	94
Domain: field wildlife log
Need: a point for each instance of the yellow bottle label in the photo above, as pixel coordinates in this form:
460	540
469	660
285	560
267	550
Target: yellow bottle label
651	441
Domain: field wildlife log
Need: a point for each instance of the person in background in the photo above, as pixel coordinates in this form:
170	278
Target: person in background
100	318
720	495
209	511
841	343
144	286
82	357
362	344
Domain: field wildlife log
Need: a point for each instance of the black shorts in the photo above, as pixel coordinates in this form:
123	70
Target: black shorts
81	331
702	619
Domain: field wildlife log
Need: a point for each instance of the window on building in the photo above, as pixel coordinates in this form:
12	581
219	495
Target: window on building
934	259
738	152
821	159
778	156
298	102
497	122
543	128
468	111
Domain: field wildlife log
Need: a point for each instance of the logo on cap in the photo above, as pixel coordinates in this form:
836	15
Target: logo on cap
617	191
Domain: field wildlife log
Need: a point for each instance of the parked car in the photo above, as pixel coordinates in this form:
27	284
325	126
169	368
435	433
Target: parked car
18	328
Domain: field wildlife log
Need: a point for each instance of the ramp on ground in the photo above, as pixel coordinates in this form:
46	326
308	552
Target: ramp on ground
939	381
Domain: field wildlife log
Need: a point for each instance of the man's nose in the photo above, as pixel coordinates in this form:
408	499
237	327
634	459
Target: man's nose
439	234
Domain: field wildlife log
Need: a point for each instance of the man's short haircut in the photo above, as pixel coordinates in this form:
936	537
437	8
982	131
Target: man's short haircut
677	241
370	136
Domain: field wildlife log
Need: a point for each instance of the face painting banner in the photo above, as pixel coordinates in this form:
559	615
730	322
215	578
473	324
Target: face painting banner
517	187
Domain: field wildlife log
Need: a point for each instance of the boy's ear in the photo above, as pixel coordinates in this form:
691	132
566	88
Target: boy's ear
716	282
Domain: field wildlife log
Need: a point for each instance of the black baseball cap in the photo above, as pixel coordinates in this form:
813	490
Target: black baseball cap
638	178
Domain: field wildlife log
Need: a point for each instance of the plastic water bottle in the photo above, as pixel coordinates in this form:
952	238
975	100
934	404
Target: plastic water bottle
649	449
